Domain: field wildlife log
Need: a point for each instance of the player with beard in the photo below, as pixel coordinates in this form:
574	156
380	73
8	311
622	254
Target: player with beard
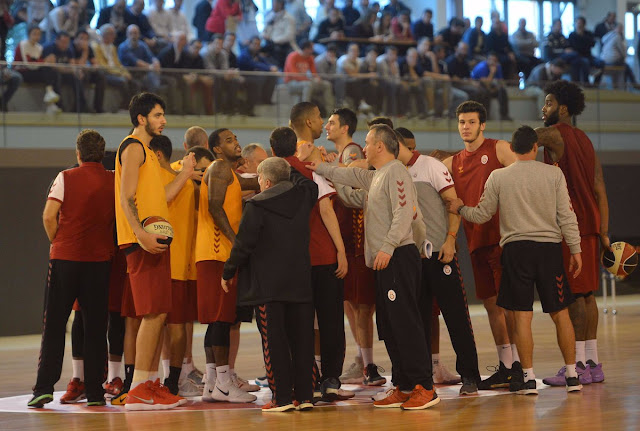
571	150
470	169
219	213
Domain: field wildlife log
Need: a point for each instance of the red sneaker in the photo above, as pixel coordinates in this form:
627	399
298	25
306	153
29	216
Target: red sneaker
395	399
166	393
148	396
75	392
114	387
421	399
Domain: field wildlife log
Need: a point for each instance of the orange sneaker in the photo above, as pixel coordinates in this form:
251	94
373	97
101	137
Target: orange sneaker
114	387
421	399
148	396
272	407
75	392
166	393
395	399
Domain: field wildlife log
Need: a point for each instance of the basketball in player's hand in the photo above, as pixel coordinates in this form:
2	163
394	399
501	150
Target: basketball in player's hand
159	226
621	260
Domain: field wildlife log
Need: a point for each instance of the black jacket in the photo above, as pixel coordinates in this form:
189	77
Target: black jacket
271	250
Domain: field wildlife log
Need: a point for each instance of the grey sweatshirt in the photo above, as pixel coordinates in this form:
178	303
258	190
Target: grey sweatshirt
391	212
534	205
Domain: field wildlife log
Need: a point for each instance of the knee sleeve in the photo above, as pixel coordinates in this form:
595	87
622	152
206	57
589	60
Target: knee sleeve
115	334
77	335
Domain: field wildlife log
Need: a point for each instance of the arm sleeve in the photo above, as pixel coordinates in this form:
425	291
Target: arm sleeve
566	218
56	192
246	240
350	197
487	206
354	177
402	211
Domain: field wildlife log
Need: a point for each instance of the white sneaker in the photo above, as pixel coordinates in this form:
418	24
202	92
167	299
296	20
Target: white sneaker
442	376
53	109
207	392
51	96
355	373
243	384
189	388
231	394
384	394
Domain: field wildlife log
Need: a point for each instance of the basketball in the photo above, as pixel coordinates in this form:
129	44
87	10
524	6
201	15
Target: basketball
159	226
622	261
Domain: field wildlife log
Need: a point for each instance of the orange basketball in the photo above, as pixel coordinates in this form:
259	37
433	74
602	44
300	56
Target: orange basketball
622	260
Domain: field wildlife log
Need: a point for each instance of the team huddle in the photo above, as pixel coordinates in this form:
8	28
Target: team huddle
302	238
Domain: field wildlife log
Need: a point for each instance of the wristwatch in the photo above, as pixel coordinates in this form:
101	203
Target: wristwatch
460	209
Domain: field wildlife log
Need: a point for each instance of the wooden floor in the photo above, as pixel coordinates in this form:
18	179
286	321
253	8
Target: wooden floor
613	405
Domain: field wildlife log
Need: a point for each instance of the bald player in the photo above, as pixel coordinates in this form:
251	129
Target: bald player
252	155
195	136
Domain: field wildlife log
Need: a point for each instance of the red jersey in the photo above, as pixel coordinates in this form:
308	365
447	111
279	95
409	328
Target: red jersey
87	214
578	163
351	220
470	171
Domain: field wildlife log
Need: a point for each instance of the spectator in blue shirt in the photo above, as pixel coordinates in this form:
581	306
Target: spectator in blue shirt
423	27
489	73
477	41
200	16
498	42
133	52
251	59
350	13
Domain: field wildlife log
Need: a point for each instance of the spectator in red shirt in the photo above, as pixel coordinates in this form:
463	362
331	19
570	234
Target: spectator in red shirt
301	77
225	14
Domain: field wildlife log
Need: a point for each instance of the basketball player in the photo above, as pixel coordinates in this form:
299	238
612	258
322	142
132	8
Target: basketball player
535	214
470	168
252	156
572	151
195	136
219	213
78	219
390	212
140	193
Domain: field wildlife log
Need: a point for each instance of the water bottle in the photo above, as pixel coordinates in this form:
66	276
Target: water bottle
521	81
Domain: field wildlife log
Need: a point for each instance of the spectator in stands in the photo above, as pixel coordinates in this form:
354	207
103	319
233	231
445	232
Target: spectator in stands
228	44
134	52
279	33
10	80
350	13
433	79
460	73
543	74
6	22
225	16
382	27
614	52
83	56
558	46
389	72
477	41
62	19
412	73
327	68
582	40
301	76
86	14
116	75
135	16
178	20
395	7
251	59
199	83
451	35
115	15
331	27
495	20
30	50
450	96
373	92
423	27
247	27
498	42
226	84
489	73
37	11
363	27
401	27
524	44
200	15
321	14
363	7
303	21
607	25
356	83
176	56
160	21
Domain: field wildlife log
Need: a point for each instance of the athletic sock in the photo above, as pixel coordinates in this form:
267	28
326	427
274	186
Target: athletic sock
504	354
580	352
174	375
165	367
514	354
78	369
139	377
153	375
359	353
435	359
367	356
570	370
232	371
211	373
187	365
114	370
223	376
528	374
128	376
591	350
319	363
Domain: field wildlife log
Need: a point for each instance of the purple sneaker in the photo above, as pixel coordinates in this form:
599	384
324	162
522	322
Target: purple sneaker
558	379
597	375
584	373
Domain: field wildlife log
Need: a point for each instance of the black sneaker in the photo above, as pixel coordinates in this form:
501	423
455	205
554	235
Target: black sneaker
573	384
38	401
500	379
329	389
516	381
97	403
372	377
523	388
469	386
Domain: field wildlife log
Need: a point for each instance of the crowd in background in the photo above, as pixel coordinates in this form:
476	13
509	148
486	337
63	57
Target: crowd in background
370	58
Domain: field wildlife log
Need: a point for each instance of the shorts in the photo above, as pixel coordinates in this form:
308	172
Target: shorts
214	304
360	282
117	279
150	279
127	309
589	278
487	271
192	300
528	265
179	295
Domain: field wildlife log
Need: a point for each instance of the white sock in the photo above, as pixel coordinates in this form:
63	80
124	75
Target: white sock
359	353
165	367
591	350
187	366
528	374
78	368
211	373
571	370
435	359
223	376
367	356
505	355
580	352
319	363
232	371
114	370
153	375
514	354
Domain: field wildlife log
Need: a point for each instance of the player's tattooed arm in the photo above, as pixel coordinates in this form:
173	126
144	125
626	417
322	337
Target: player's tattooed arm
132	207
551	139
218	181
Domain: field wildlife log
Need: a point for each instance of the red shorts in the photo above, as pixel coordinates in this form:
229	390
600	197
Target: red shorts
179	299
127	308
76	306
360	283
150	279
589	277
192	300
214	305
117	279
487	271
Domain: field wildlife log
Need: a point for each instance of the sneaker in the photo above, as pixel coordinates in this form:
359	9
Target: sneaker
272	407
196	376
523	388
75	392
167	393
372	377
243	384
317	397
38	401
500	379
516	371
597	375
114	387
584	373
344	394
231	394
516	382
354	375
51	96
442	376
469	387
329	389
557	380
207	392
174	388
189	388
573	384
395	398
303	406
120	399
421	399
263	382
98	403
148	396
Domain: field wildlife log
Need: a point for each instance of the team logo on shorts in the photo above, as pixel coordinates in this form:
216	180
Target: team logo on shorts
447	270
484	159
391	294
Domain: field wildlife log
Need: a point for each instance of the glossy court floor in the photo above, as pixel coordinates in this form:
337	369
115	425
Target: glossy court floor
612	405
